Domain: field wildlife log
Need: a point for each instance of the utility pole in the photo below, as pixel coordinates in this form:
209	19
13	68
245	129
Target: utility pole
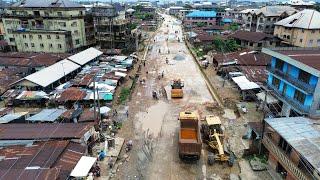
94	99
99	115
264	108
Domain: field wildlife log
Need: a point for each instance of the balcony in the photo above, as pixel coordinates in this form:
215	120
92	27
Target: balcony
283	158
302	109
296	82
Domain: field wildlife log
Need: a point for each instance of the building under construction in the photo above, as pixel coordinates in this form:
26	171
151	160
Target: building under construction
112	28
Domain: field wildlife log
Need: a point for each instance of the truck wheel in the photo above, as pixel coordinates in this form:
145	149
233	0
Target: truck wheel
210	159
231	160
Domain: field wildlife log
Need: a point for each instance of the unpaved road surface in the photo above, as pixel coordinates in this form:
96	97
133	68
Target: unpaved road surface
153	124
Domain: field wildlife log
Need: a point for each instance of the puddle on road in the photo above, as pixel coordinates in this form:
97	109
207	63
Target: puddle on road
152	119
179	57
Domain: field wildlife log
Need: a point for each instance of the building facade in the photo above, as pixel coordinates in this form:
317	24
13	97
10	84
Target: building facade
112	28
292	148
301	29
294	80
196	18
53	26
262	20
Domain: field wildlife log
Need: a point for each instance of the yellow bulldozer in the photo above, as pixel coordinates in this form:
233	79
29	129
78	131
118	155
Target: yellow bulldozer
176	88
212	134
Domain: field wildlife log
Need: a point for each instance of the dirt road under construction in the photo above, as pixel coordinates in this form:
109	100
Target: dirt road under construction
153	124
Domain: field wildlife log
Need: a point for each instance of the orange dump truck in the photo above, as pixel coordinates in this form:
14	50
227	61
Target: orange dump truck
189	136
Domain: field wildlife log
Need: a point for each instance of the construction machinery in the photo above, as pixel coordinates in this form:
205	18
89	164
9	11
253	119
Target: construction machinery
176	88
213	135
189	136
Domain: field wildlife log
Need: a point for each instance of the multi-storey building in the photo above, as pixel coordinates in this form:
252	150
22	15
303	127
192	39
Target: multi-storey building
111	28
262	20
196	18
294	78
301	29
293	147
45	26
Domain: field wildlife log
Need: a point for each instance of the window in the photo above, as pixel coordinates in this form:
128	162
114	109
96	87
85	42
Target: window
81	13
301	40
304	76
318	42
276	82
30	36
39	36
310	42
299	96
48	37
74	24
32	44
259	44
288	37
24	36
26	45
41	45
76	32
251	44
46	13
11	39
59	46
77	41
302	30
63	24
279	64
57	37
50	45
59	13
313	31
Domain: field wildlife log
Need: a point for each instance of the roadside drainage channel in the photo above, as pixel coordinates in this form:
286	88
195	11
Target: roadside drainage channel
211	89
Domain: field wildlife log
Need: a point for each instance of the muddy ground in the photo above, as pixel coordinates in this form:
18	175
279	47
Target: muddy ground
153	124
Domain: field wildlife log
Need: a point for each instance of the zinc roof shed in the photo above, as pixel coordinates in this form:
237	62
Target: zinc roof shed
47	115
53	73
85	56
202	14
306	19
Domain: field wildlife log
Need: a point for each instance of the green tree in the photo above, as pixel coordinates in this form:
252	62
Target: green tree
228	45
201	24
233	27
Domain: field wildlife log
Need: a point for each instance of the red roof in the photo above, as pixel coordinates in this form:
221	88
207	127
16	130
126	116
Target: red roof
72	94
243	58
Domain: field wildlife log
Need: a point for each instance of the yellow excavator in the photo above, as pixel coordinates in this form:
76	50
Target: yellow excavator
176	88
212	134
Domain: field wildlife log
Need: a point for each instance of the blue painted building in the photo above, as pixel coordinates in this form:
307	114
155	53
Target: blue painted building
208	18
294	78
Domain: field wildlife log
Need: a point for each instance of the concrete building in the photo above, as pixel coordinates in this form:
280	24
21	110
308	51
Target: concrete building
175	10
45	26
262	20
182	13
112	28
301	29
294	79
293	147
255	40
195	18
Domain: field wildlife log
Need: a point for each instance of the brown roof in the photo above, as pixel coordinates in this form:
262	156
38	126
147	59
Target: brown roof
250	36
243	58
307	57
55	158
255	73
72	94
43	131
205	37
30	59
9	76
86	116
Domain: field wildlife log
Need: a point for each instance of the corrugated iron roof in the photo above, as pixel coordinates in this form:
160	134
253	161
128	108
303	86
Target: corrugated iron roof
72	94
44	131
85	56
202	14
53	73
55	158
47	4
303	134
47	115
